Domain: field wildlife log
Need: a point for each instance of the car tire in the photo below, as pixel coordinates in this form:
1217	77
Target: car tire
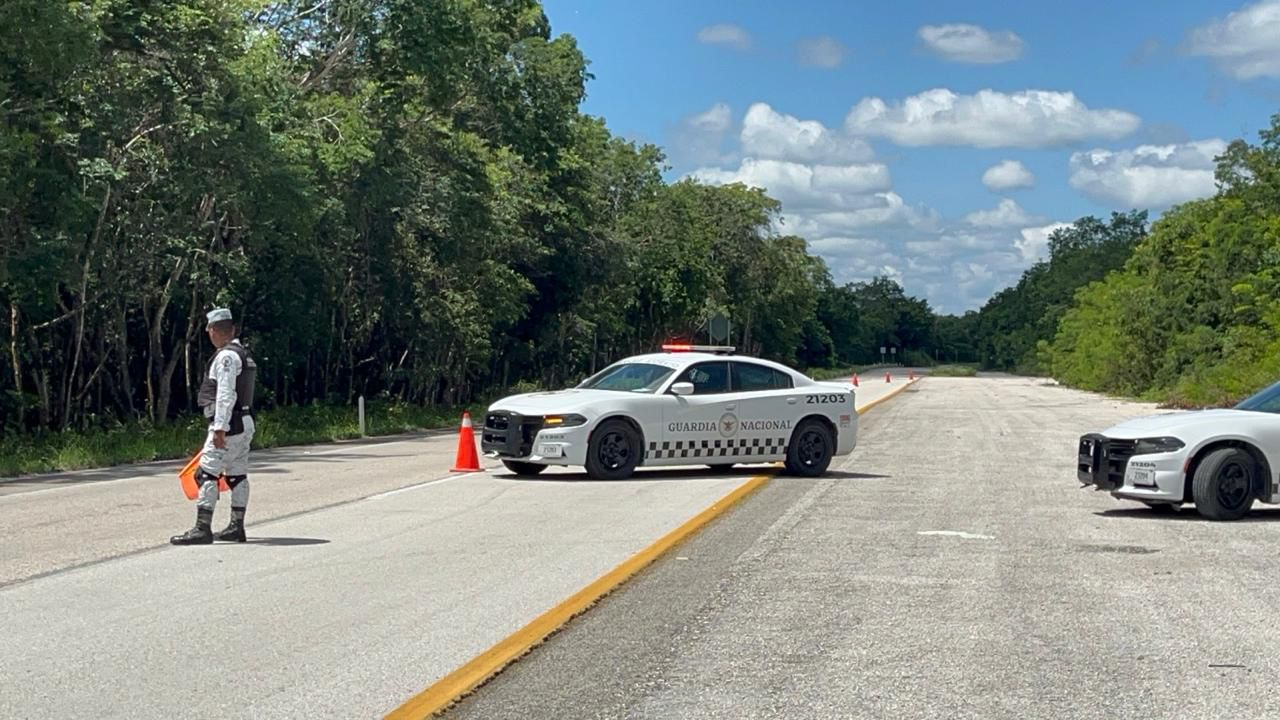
1223	486
811	449
524	469
614	451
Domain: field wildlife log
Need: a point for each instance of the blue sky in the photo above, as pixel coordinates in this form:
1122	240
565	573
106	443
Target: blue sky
936	143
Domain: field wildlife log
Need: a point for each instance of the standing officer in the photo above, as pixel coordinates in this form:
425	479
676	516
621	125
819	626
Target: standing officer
226	396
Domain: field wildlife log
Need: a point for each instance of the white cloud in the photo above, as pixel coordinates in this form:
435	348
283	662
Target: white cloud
916	265
842	201
956	267
879	209
1007	214
1034	244
951	241
719	119
1245	44
825	52
802	187
988	119
725	34
699	138
1008	175
767	133
968	272
1148	176
851	179
966	43
845	246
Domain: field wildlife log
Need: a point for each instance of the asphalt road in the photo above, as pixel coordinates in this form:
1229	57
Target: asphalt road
51	523
952	569
371	572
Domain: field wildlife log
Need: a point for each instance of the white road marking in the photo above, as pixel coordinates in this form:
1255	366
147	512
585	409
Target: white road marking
417	486
956	533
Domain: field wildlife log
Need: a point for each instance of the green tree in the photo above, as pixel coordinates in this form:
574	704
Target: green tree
1192	317
1012	324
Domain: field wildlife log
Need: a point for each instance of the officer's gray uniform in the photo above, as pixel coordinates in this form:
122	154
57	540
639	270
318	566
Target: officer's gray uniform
226	397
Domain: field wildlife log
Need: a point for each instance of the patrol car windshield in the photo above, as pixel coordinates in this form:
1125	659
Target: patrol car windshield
1267	400
629	377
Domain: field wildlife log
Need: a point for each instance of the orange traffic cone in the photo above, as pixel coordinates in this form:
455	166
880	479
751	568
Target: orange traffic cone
468	460
855	379
887	378
911	374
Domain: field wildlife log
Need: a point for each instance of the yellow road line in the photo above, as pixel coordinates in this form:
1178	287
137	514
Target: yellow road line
453	687
877	401
458	683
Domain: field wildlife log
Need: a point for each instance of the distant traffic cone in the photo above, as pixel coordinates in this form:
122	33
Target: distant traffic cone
467	460
911	374
855	379
887	378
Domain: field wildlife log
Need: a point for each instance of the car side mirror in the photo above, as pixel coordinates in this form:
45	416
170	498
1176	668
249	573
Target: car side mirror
682	388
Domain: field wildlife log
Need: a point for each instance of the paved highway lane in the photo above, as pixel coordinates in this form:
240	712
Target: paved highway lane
371	573
50	523
53	522
953	570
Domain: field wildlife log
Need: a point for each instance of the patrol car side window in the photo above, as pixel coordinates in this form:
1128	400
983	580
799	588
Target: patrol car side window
749	377
707	378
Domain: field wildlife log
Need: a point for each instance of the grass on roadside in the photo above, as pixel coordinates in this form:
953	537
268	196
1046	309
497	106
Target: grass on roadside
841	373
279	427
845	373
953	371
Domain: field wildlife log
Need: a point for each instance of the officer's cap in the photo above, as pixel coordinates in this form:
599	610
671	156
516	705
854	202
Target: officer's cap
214	316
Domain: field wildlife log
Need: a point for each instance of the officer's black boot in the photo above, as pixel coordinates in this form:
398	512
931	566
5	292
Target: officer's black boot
198	535
234	531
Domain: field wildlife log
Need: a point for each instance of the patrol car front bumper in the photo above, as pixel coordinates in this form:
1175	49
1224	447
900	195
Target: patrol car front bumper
511	436
1116	466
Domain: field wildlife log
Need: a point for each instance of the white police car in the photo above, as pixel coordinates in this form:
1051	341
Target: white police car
1222	460
688	405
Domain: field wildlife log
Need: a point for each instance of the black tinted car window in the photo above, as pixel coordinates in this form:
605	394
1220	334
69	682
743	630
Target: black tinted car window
748	377
707	378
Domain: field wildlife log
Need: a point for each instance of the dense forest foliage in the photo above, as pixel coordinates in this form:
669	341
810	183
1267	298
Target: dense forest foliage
1193	318
403	200
1007	332
1185	312
398	199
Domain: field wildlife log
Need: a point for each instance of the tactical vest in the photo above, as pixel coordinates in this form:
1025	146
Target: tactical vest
244	387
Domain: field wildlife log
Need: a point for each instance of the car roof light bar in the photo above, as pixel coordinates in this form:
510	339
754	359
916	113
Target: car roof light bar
682	347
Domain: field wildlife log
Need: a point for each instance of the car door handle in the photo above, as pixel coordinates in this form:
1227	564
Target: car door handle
792	401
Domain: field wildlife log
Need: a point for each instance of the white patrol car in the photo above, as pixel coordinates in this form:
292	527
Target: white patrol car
688	405
1222	460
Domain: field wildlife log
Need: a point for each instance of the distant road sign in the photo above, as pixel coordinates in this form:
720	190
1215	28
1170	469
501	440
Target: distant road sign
719	328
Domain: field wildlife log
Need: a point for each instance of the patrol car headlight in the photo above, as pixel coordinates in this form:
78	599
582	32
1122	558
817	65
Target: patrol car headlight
559	421
1147	446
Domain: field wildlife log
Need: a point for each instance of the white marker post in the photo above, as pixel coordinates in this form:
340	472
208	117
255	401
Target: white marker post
360	404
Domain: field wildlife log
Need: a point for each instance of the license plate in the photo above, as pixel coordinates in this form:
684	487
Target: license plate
547	450
1142	476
